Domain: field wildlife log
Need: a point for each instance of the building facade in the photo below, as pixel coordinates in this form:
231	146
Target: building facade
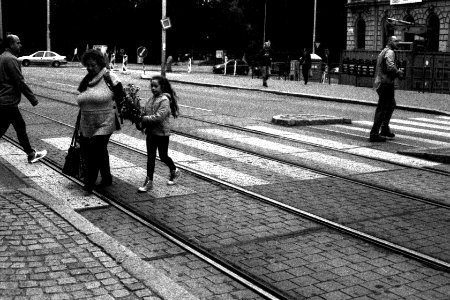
423	23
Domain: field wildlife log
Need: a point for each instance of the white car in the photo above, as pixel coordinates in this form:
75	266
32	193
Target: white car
43	58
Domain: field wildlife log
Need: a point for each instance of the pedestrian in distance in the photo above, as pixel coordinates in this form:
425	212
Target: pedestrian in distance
156	125
266	61
12	86
98	117
386	73
305	62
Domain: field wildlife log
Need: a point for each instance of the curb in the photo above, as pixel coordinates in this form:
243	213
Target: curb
153	278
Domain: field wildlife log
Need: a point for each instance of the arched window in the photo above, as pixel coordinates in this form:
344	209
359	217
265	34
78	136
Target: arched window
409	37
388	30
360	34
433	33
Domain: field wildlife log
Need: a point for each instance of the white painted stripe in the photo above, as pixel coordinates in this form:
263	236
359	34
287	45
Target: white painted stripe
413	138
257	142
341	163
393	157
250	160
197	108
198	164
412	123
322	158
302	137
131	174
432	121
410	129
444	117
49	180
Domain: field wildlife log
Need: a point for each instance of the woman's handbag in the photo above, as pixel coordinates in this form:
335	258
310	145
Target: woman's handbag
73	165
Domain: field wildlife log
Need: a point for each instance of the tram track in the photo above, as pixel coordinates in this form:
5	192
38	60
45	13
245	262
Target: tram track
316	218
343	229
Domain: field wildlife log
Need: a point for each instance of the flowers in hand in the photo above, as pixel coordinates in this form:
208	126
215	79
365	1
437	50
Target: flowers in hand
131	104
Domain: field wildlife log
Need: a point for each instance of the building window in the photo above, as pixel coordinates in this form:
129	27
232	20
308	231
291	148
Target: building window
433	33
409	37
388	30
360	34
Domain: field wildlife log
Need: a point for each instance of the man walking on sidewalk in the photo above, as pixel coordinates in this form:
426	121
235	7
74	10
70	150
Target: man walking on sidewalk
12	86
386	73
266	59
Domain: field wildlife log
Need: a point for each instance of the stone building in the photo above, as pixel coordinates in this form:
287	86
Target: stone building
422	22
422	26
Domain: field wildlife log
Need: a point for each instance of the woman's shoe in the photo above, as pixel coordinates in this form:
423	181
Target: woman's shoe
148	185
173	175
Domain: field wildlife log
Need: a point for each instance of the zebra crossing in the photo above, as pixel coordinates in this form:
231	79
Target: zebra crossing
238	167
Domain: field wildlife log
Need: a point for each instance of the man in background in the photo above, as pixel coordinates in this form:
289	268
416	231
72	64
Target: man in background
12	86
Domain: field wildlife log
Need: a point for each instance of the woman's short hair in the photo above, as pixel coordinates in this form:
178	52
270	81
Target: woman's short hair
95	55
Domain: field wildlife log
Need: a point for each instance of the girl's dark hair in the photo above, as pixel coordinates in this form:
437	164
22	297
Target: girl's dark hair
166	88
96	55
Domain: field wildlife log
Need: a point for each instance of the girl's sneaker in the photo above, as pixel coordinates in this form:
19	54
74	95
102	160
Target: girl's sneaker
148	185
173	175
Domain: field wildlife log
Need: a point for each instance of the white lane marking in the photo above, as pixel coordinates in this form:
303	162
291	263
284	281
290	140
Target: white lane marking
444	117
245	139
421	124
49	180
223	173
302	138
432	121
197	108
65	84
248	159
322	158
393	157
408	137
410	129
130	173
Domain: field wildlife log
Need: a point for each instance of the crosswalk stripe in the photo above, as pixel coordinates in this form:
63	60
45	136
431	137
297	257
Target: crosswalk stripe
198	164
302	138
336	162
410	129
432	121
413	138
444	117
49	180
130	173
250	160
421	124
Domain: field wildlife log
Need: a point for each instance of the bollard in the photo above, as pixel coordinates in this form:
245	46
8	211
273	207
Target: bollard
189	65
235	66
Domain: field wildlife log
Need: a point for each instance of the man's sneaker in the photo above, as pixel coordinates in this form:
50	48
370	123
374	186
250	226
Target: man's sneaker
173	175
388	134
148	185
36	156
377	138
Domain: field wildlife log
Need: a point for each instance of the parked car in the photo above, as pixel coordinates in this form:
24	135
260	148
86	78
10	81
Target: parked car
43	58
242	67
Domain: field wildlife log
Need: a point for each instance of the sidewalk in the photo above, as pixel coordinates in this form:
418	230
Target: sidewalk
48	251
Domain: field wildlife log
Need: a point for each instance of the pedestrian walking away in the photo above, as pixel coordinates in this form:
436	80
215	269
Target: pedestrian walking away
98	117
12	86
156	124
386	73
305	62
266	60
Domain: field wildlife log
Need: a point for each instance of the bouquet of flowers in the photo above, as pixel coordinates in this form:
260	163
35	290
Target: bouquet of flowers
131	106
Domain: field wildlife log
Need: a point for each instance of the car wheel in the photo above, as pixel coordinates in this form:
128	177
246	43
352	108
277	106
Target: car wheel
56	64
26	63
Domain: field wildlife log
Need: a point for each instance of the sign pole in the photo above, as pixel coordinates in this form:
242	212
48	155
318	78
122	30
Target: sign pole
163	41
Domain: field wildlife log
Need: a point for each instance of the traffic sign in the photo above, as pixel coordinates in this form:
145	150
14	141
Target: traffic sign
142	52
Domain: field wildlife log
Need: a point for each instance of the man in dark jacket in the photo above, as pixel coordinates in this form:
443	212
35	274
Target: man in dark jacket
305	62
12	86
386	73
266	60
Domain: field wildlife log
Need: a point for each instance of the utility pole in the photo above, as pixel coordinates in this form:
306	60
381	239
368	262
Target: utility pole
163	41
1	21
314	28
48	25
265	16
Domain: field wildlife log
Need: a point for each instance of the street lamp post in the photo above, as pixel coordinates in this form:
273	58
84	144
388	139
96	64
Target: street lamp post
265	17
314	28
48	25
